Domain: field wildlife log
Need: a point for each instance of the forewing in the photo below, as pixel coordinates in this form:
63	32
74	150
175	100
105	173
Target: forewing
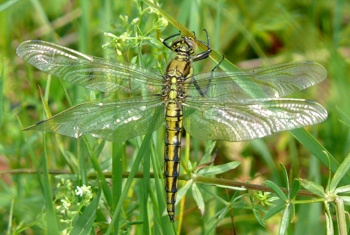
249	119
269	82
112	121
88	71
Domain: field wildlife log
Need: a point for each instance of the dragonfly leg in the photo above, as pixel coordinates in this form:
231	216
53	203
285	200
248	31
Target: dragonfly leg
204	54
204	91
165	43
218	64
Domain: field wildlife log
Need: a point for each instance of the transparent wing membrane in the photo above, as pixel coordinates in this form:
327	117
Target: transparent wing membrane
249	119
112	121
271	82
91	72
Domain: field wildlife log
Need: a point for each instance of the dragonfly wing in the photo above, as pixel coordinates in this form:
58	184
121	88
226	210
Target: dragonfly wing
112	121
88	71
269	82
249	119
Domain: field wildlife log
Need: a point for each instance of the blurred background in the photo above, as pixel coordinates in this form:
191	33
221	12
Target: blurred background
248	33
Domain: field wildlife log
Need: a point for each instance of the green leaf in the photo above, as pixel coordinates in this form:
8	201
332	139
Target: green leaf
276	189
209	153
340	173
274	210
183	190
343	189
190	166
285	221
258	217
295	189
312	187
285	176
346	199
197	195
86	219
216	170
318	150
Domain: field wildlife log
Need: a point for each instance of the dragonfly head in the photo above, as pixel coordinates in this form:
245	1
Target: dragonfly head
184	45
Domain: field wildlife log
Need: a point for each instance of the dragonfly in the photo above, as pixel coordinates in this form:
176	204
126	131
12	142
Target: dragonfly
215	105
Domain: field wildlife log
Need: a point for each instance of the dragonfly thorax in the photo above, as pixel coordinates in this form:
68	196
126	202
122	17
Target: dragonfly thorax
177	72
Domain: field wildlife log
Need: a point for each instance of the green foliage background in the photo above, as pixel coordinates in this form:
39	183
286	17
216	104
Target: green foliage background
249	33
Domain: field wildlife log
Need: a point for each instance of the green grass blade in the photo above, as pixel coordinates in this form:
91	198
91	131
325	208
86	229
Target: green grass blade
51	220
118	154
87	218
97	167
41	14
145	148
4	6
9	225
127	185
318	151
145	192
82	164
160	212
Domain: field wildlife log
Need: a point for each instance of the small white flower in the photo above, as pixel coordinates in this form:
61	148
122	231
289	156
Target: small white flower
83	190
79	191
66	204
134	21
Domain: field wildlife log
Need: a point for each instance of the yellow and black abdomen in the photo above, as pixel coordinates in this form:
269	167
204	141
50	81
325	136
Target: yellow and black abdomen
174	94
173	130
